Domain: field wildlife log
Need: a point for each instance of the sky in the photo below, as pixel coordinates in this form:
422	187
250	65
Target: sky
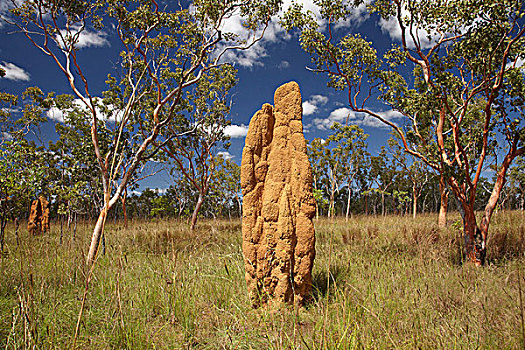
275	60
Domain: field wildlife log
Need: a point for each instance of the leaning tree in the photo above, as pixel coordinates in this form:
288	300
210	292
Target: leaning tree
193	154
165	53
453	76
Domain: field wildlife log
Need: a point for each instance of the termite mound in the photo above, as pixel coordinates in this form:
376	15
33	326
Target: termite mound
278	204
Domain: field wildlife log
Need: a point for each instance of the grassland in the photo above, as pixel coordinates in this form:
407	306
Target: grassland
379	283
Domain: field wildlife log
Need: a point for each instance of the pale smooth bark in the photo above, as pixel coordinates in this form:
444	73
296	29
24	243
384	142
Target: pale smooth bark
195	214
348	202
414	201
443	206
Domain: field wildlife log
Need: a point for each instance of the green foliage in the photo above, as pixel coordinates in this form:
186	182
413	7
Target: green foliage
171	67
160	207
453	76
23	164
337	161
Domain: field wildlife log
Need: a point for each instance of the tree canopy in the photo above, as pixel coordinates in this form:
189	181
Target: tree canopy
463	98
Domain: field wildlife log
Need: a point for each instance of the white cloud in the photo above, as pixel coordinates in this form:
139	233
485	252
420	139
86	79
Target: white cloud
345	115
309	108
272	34
236	131
319	99
391	27
86	38
275	33
161	191
13	72
245	58
283	65
519	64
6	136
5	6
312	104
339	115
94	39
225	155
358	16
57	115
372	122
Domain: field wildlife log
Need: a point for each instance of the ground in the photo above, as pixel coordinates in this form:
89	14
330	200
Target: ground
394	283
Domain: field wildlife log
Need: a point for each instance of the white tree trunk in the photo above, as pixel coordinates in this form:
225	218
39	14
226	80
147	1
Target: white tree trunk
348	202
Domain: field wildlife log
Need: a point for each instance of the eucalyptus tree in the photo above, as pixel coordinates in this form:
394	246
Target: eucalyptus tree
383	173
165	53
17	183
327	164
22	174
466	94
194	153
226	185
517	180
77	185
363	182
315	155
415	170
349	149
336	161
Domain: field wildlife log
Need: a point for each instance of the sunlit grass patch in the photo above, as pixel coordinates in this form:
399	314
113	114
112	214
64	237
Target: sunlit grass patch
388	282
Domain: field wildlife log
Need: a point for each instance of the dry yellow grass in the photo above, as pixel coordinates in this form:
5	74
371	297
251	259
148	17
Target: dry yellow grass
388	283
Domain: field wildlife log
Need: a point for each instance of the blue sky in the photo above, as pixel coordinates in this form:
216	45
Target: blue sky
274	61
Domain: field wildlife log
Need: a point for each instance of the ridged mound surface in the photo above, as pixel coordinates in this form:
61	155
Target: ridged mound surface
278	204
39	216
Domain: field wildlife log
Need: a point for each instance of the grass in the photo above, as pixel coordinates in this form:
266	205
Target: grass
394	283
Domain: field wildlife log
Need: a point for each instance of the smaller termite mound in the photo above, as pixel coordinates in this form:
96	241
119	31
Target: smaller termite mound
278	204
39	216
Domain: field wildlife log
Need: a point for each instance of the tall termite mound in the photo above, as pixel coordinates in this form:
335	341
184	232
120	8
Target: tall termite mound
45	213
278	204
39	216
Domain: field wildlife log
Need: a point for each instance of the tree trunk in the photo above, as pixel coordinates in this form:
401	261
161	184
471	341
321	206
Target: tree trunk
494	197
75	227
195	214
398	210
97	234
383	213
414	201
348	202
475	249
316	204
331	209
3	224
239	205
17	226
443	207
61	227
